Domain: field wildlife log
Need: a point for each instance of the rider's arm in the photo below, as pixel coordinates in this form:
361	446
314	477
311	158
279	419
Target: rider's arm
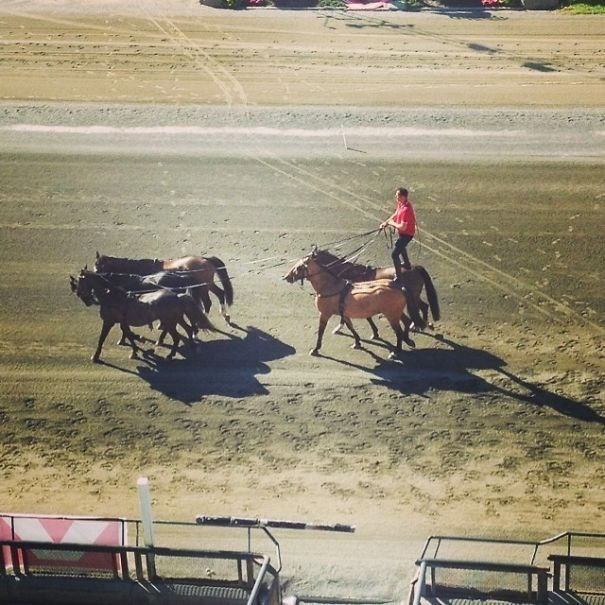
392	223
401	225
389	222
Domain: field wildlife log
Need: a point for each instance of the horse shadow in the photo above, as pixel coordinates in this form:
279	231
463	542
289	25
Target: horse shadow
227	367
451	369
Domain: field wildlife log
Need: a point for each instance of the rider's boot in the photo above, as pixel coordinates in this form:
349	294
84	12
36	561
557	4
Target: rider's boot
406	261
398	272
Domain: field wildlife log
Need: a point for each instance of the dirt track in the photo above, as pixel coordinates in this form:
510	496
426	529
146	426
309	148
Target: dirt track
493	425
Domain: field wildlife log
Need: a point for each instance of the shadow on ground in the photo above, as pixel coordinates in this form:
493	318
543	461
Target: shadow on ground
451	369
243	357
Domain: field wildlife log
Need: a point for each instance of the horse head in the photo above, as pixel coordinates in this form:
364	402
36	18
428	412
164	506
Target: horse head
83	288
298	272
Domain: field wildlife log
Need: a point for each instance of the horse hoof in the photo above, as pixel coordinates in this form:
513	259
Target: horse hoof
228	319
395	356
431	325
133	356
375	337
410	343
356	345
314	352
95	359
336	330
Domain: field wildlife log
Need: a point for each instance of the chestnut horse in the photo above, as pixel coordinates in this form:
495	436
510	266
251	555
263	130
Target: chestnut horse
119	307
361	300
200	270
414	280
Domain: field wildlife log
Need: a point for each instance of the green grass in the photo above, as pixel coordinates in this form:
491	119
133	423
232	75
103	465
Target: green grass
584	8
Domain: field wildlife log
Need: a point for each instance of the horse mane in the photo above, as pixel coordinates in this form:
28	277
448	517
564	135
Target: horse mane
342	266
124	259
128	265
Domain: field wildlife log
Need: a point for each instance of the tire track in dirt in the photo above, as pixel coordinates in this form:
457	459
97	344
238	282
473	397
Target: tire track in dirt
293	171
234	93
231	88
112	227
482	270
459	43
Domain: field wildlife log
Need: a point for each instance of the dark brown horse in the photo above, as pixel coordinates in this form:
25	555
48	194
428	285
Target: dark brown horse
414	280
199	269
337	296
119	307
143	284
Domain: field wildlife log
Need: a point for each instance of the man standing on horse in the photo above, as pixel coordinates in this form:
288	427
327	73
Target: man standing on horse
404	221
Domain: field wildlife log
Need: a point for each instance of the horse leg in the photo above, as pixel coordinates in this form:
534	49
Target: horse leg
133	343
323	320
205	299
338	328
176	338
189	331
357	343
374	329
160	340
107	325
220	294
424	309
407	322
399	333
127	333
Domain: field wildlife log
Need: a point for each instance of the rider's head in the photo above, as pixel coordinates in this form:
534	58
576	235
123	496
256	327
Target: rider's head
402	194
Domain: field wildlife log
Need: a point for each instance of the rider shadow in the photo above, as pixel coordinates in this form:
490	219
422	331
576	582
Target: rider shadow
226	367
450	369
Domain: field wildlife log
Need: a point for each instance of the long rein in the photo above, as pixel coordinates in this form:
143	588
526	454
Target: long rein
348	258
352	255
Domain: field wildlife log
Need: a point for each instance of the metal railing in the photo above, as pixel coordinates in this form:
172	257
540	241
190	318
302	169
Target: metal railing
568	536
254	571
432	557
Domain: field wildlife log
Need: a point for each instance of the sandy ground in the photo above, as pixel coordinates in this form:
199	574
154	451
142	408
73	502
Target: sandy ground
252	136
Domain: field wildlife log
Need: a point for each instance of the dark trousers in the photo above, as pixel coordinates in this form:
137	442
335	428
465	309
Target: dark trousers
399	251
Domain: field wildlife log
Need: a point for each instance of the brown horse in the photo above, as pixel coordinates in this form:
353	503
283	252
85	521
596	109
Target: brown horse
199	269
414	280
337	296
119	307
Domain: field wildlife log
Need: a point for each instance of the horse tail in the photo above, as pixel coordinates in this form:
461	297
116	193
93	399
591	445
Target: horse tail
431	293
412	307
194	314
219	265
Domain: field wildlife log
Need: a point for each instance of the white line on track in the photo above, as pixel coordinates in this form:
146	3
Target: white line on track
362	131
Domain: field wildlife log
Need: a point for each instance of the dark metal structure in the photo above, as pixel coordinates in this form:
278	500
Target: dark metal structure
134	579
574	560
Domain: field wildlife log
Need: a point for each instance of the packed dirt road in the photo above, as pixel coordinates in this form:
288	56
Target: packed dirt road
181	52
163	129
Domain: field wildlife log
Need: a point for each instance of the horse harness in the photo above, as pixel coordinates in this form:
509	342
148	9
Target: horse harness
342	294
341	301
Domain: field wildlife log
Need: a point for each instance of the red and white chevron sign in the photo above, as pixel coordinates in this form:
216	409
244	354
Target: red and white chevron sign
64	530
